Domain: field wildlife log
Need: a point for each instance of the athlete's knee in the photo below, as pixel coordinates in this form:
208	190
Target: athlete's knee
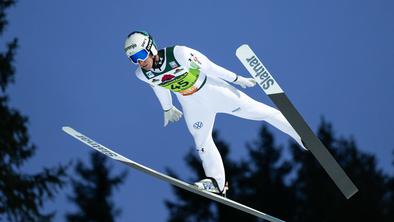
202	144
273	114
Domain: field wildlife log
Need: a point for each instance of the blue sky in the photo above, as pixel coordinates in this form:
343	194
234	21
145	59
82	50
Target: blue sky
333	59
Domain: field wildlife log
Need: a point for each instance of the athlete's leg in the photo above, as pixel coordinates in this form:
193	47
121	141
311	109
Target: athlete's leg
241	105
200	124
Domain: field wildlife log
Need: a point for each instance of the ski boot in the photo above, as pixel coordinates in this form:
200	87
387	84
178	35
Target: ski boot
209	184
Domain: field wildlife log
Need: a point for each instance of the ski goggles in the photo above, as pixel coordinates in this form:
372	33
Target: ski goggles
141	55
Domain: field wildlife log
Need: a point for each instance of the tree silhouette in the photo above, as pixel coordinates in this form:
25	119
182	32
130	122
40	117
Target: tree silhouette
93	189
190	207
264	181
388	209
251	182
295	189
317	196
22	195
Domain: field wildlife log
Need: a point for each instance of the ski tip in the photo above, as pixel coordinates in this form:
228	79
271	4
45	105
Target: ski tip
242	48
67	128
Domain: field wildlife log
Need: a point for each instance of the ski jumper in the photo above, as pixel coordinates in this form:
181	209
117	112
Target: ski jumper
201	88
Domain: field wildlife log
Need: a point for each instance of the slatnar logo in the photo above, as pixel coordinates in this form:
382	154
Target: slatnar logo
261	72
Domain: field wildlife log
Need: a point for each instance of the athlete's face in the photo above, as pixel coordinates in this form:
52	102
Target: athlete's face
147	64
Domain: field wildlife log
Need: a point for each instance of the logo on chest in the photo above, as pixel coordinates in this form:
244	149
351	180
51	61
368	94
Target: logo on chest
173	64
167	77
149	74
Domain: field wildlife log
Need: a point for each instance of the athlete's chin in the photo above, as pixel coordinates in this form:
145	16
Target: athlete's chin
146	67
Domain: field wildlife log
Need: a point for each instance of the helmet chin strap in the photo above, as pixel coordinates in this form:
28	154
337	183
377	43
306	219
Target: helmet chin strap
156	64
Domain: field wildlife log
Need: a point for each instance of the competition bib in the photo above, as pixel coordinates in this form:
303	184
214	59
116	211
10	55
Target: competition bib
184	79
181	82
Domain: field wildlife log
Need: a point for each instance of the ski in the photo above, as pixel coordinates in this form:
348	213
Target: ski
271	87
176	182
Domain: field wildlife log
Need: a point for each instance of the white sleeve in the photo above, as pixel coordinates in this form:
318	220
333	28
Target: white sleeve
185	55
163	94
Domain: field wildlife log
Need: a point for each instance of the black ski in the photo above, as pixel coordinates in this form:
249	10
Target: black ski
277	95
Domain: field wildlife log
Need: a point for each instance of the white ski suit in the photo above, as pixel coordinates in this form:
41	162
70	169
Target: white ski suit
201	88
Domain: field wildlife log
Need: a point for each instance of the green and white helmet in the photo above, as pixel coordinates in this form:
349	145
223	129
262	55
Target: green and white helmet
139	45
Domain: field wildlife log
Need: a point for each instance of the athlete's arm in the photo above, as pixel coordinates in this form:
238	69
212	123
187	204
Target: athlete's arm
163	94
187	55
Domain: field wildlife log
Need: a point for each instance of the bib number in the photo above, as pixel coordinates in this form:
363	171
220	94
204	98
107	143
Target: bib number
182	82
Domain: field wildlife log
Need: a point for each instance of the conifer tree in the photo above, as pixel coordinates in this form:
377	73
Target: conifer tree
93	188
22	195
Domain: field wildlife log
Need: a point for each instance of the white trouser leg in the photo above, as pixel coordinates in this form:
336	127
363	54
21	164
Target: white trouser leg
237	103
218	96
253	110
212	162
200	124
